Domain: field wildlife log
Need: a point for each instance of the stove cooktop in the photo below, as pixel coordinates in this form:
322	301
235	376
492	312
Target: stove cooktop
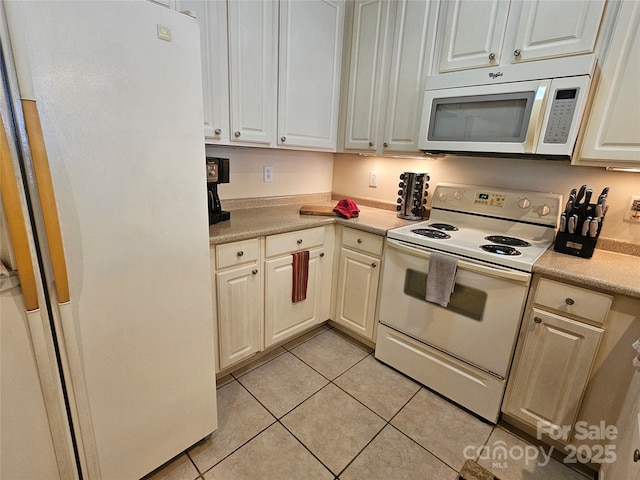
503	227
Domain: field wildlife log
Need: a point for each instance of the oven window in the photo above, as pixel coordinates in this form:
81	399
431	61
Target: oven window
464	300
481	118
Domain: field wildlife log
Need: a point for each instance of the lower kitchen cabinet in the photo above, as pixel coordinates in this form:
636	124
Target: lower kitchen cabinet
283	317
357	285
547	384
238	283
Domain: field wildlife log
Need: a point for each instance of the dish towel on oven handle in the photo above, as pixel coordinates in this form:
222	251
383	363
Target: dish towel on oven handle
441	278
300	276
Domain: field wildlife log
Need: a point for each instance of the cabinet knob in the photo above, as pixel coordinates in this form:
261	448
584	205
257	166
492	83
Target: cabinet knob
217	131
516	53
321	254
374	265
299	241
371	144
254	272
492	56
283	139
385	144
636	455
240	253
537	319
569	301
359	240
236	134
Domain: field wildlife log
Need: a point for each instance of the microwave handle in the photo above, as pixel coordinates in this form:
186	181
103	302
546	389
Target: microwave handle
537	116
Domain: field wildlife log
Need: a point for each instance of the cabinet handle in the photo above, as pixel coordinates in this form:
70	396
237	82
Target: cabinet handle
371	144
374	265
254	272
516	53
217	131
537	319
283	139
240	253
569	301
321	254
236	134
299	241
359	240
492	56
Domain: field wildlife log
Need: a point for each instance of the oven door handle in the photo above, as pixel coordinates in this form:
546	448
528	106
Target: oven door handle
493	271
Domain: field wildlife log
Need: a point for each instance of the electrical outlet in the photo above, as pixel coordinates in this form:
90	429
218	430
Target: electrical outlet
633	211
267	174
373	179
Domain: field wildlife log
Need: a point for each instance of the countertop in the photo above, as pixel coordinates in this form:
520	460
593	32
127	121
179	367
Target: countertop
256	222
607	271
611	272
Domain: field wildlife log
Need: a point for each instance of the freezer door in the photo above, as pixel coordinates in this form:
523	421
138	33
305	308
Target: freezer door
118	90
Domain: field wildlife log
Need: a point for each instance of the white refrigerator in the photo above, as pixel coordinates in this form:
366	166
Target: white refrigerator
107	339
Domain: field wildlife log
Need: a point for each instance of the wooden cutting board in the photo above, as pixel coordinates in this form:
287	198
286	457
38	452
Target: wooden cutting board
326	210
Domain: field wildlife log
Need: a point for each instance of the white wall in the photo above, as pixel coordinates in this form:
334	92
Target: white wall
294	172
351	176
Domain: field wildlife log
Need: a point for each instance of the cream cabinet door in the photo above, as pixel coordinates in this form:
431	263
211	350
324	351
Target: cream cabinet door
239	313
253	70
409	56
310	57
371	22
612	134
473	34
547	29
358	276
551	370
212	17
283	318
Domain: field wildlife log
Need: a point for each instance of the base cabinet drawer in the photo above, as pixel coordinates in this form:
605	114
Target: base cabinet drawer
551	370
573	300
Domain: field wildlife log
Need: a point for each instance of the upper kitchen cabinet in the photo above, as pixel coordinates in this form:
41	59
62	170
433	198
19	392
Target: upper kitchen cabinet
309	61
253	71
612	133
484	33
271	71
215	67
390	46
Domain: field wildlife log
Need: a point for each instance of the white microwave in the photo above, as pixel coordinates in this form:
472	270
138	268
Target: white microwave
538	118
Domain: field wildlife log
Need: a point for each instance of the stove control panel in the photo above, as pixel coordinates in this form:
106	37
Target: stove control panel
519	205
489	198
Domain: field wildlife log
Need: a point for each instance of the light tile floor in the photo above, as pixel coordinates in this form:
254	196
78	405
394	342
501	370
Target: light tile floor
322	407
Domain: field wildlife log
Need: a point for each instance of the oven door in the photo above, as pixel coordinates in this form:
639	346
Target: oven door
481	322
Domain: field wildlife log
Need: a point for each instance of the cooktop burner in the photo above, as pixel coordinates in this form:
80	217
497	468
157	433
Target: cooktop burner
500	249
444	226
511	241
431	233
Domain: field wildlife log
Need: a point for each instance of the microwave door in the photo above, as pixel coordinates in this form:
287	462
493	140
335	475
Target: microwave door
487	119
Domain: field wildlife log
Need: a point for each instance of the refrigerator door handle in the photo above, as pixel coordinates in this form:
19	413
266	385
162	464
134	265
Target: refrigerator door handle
16	225
47	198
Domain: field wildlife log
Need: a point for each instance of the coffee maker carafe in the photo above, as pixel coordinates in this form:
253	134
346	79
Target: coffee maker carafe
217	172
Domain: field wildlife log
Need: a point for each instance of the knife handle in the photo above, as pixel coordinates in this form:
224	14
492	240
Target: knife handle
593	227
563	222
585	226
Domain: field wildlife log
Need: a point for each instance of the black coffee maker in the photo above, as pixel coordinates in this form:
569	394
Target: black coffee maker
217	172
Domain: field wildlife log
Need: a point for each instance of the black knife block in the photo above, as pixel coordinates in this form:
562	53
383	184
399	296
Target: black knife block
576	244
